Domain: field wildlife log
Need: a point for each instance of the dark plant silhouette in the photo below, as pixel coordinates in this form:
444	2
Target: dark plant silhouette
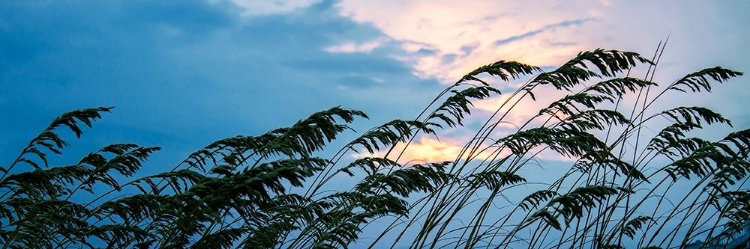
237	192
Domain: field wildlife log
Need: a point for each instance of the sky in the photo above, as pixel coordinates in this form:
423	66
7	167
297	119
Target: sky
185	73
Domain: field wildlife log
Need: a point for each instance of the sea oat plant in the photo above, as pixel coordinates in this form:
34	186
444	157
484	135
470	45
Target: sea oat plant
621	189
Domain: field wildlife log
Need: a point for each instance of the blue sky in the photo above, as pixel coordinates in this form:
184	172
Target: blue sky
185	73
188	72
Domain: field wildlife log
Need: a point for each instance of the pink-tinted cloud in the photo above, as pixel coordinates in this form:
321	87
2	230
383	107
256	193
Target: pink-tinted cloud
448	148
429	149
447	38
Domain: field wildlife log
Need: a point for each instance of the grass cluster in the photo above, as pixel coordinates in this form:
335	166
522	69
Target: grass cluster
622	189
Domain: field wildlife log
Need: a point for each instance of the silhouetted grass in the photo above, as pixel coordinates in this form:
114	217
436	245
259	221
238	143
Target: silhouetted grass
621	188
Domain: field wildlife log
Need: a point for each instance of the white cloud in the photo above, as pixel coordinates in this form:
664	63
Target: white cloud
430	149
352	47
270	7
446	148
443	39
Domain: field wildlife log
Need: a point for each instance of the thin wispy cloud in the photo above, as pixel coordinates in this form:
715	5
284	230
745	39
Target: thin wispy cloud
251	8
563	24
352	47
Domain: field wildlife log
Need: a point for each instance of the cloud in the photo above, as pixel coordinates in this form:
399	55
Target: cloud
448	148
445	39
213	70
264	7
351	47
563	24
461	35
426	149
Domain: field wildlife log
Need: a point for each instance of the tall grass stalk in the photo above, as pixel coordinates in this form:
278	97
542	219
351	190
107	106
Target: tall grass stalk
633	175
